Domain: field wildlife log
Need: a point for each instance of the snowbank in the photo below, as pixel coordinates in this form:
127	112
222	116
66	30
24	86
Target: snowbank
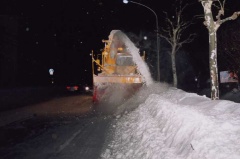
169	123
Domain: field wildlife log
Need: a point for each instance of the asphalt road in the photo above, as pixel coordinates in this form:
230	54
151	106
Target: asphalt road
64	127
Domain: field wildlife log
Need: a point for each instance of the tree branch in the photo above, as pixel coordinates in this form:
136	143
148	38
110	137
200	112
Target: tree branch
232	17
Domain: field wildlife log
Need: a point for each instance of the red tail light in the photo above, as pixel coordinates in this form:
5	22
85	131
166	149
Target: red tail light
75	87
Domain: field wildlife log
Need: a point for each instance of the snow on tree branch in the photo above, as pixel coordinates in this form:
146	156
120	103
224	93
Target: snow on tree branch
220	5
233	17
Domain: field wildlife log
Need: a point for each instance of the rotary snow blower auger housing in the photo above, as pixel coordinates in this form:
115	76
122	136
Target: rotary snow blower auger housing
114	68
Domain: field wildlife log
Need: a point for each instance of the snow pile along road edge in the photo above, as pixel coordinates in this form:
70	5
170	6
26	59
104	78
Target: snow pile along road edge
176	124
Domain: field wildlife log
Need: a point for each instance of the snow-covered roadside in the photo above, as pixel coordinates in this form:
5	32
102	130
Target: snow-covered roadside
169	123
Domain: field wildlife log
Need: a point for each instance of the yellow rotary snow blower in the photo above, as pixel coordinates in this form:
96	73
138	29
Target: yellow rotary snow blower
115	74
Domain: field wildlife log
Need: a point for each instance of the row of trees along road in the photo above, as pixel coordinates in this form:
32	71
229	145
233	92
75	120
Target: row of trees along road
175	26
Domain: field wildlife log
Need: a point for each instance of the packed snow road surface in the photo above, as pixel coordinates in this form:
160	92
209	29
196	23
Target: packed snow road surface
58	129
73	139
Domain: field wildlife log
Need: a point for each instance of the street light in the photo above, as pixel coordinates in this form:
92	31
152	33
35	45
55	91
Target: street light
158	49
51	71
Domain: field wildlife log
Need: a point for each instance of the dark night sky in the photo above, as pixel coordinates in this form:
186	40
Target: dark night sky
61	33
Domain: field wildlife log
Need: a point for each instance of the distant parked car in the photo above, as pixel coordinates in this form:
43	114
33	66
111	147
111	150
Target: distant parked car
81	88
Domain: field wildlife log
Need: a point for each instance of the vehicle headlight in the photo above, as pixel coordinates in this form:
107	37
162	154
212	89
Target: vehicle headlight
86	88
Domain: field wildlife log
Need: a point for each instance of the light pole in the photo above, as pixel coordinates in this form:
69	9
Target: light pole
51	71
158	46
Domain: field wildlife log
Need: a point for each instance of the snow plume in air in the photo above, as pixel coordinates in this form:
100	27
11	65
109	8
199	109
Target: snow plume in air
173	124
140	97
119	39
114	95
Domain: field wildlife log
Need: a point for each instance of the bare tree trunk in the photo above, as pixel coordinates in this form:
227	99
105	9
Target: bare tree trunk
212	32
174	69
213	64
212	27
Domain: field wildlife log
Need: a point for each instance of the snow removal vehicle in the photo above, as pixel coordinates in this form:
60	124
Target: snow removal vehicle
116	71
